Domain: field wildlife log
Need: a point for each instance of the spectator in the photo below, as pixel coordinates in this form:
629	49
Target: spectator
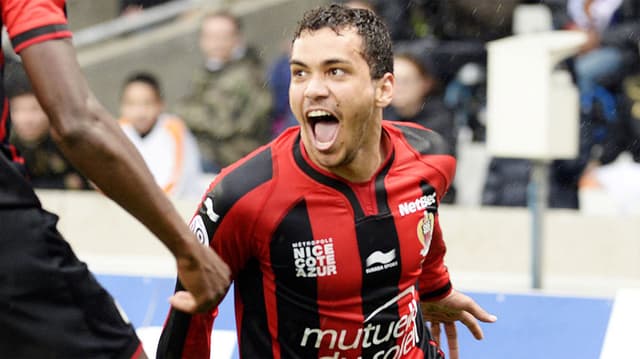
279	76
595	63
416	99
609	57
228	105
46	166
166	145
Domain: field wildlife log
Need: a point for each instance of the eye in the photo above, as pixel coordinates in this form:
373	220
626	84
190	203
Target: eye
298	73
337	72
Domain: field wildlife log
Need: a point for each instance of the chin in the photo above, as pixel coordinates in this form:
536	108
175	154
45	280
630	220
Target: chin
326	160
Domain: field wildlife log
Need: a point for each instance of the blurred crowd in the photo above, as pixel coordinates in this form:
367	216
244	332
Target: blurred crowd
237	102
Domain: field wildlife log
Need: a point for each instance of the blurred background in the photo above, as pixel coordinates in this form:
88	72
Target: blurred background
540	100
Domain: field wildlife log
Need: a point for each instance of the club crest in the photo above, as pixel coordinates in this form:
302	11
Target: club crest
425	232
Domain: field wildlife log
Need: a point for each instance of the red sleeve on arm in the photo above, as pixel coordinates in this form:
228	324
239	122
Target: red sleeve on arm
445	165
34	21
219	222
434	282
198	340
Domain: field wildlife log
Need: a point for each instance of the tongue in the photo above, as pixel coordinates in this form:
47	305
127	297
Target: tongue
325	131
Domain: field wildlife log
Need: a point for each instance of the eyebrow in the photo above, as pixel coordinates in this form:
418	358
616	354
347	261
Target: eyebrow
324	63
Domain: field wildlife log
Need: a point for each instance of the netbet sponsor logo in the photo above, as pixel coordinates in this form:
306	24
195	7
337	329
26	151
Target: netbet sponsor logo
403	331
314	258
419	204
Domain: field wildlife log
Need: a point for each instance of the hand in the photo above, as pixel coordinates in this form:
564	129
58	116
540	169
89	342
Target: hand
455	307
206	277
593	41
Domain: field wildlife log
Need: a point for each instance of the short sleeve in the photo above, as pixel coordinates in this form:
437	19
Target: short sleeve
33	21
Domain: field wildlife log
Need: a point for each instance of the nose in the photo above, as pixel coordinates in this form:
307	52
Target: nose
316	88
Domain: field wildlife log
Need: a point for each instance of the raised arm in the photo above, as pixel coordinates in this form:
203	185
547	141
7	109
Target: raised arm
92	140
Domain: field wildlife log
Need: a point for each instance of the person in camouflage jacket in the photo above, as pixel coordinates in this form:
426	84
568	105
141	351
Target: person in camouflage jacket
228	106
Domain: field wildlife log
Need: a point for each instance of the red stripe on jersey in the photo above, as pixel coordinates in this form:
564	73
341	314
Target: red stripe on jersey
15	156
21	16
137	353
3	119
341	299
41	38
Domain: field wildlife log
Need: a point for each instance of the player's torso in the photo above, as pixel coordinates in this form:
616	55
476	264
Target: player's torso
340	262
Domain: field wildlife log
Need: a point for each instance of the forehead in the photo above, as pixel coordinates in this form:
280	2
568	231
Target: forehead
218	23
403	65
138	89
325	44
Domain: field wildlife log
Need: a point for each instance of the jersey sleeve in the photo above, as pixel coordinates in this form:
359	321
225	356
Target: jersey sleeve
33	21
434	282
432	150
223	221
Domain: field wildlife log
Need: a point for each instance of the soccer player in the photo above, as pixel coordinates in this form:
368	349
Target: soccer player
50	304
331	231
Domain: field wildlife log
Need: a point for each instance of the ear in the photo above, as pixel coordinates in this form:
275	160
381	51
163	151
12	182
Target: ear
428	84
384	90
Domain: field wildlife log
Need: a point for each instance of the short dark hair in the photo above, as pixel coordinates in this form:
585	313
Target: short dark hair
16	81
420	64
376	41
145	78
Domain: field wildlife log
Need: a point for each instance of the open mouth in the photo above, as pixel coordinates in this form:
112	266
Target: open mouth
325	128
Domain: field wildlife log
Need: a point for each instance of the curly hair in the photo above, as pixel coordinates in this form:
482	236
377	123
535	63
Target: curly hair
377	46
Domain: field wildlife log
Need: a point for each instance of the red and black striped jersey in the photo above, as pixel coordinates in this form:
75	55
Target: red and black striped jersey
28	22
325	268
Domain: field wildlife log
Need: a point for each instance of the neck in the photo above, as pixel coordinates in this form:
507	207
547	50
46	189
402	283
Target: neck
367	160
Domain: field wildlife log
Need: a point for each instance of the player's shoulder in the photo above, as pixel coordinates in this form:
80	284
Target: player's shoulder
241	178
420	139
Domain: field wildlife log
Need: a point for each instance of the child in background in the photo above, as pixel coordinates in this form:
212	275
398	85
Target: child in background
164	141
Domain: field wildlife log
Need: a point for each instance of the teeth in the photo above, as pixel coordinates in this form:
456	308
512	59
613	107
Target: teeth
318	113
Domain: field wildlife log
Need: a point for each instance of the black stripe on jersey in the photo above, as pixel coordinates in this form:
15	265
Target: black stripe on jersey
421	327
172	341
296	296
428	190
327	181
381	192
255	340
246	177
379	250
436	293
38	31
424	141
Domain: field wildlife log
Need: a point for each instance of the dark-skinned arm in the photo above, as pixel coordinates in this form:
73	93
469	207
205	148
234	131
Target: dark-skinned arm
92	140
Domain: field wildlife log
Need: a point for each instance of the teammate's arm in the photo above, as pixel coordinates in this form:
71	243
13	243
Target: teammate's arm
92	140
